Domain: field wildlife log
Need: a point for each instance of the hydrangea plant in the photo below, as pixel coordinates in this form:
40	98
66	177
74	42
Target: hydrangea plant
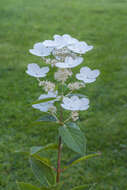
61	105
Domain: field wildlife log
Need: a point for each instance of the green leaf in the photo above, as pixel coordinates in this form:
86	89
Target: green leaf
37	149
45	124
81	187
45	120
43	159
73	138
73	159
42	171
48	118
26	186
43	100
56	186
83	158
22	152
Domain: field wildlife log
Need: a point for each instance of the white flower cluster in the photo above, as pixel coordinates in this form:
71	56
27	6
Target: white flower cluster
62	74
47	85
76	85
67	41
74	115
63	52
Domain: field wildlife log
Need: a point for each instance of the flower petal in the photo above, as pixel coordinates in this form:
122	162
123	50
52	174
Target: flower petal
94	74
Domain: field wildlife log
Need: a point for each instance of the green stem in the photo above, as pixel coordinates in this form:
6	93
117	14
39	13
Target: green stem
59	151
59	161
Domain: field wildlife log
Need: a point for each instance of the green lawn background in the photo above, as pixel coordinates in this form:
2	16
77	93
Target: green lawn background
102	23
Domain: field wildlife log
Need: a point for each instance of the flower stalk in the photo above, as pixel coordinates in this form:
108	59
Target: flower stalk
59	160
59	151
64	53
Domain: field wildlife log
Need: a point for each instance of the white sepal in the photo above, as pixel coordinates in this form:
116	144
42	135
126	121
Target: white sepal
75	103
70	62
40	50
87	75
34	70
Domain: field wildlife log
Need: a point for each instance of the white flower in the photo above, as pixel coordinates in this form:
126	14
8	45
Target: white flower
40	50
87	75
44	107
34	70
80	47
67	41
60	41
76	85
75	103
62	74
70	62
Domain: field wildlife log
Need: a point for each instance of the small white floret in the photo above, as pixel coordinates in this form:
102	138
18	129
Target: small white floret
47	85
62	74
74	115
76	85
34	70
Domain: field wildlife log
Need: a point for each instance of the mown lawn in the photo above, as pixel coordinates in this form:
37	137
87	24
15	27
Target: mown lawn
100	23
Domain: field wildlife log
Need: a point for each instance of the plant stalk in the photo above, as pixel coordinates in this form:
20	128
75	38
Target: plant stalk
59	151
59	161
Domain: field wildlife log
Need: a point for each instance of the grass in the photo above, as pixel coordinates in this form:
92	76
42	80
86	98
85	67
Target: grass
100	23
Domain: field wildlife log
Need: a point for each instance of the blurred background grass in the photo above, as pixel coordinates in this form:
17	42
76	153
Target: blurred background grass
102	23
